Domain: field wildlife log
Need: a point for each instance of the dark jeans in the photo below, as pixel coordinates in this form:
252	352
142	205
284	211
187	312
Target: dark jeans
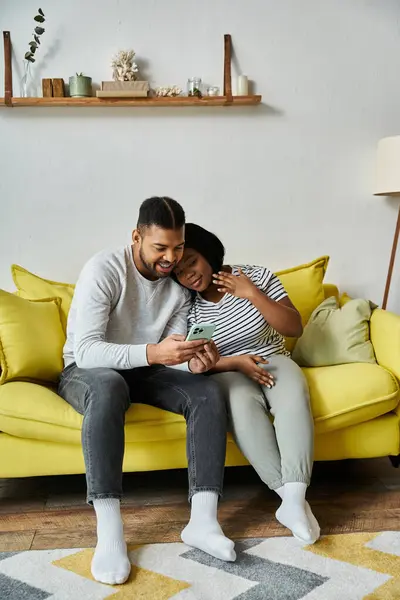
103	396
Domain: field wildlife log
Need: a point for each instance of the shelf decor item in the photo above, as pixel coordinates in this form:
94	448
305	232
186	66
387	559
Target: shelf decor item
125	82
26	83
242	87
29	58
213	90
169	91
123	89
80	86
47	88
194	87
124	67
53	88
58	87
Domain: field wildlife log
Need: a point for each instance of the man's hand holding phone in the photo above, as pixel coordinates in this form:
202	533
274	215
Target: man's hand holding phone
199	352
208	357
174	350
205	360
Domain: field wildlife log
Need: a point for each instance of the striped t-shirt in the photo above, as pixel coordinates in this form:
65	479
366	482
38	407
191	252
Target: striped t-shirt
240	327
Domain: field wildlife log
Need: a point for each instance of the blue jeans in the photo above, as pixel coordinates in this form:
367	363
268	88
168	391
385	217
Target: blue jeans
103	396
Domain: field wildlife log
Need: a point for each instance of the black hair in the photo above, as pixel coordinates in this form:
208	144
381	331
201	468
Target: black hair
205	243
161	211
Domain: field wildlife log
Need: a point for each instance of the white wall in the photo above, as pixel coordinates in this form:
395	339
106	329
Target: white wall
281	183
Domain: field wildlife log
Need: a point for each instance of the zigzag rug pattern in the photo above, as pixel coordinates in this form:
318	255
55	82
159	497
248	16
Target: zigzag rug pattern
364	566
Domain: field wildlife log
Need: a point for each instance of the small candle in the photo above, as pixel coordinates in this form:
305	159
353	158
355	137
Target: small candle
242	86
213	90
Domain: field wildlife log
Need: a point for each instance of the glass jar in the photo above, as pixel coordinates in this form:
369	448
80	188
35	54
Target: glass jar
213	90
194	87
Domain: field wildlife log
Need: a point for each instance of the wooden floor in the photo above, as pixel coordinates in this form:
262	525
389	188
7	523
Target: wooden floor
50	512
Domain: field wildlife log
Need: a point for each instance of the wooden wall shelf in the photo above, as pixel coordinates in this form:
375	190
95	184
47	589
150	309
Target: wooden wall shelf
137	102
227	99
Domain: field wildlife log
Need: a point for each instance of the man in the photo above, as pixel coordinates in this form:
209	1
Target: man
126	327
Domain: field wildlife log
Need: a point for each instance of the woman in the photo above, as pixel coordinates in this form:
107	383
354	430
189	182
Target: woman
252	314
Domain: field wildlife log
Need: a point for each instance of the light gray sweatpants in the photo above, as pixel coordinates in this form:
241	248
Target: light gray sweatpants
281	452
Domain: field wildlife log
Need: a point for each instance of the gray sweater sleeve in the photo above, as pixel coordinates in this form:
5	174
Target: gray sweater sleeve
178	324
95	293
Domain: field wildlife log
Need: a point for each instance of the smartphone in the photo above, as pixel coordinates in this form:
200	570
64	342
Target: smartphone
201	331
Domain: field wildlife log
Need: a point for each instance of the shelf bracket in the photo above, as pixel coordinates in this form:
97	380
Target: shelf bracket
227	67
8	91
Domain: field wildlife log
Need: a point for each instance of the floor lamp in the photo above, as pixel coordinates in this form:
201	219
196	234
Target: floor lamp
388	184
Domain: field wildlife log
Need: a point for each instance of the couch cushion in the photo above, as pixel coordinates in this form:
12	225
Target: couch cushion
345	395
31	338
340	396
304	285
336	335
32	286
37	412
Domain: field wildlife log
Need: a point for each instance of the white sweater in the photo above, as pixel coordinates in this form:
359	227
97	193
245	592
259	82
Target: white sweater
116	312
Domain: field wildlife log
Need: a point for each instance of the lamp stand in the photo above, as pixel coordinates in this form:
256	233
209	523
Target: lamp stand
391	263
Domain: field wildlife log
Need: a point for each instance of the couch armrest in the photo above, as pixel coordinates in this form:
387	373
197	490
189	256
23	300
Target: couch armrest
385	338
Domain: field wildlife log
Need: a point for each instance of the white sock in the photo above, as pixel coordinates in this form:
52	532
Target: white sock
295	513
203	530
310	515
110	562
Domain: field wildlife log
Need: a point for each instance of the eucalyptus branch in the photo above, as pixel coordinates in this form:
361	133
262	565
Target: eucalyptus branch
37	33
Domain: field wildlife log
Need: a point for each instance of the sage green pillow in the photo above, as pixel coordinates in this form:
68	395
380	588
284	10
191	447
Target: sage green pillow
336	335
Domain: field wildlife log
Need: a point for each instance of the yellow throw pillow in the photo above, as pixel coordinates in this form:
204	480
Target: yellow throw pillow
34	287
31	339
304	284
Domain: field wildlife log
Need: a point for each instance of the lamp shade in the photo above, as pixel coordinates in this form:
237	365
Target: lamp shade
388	166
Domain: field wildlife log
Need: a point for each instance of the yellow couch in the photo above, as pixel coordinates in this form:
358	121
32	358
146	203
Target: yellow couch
355	408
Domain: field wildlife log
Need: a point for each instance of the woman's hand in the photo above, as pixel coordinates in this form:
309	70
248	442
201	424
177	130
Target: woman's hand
240	285
281	314
247	364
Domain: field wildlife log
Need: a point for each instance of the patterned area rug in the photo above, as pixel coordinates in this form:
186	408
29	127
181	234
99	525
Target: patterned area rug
339	567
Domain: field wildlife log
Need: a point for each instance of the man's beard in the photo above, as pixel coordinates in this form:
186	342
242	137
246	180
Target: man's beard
151	268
